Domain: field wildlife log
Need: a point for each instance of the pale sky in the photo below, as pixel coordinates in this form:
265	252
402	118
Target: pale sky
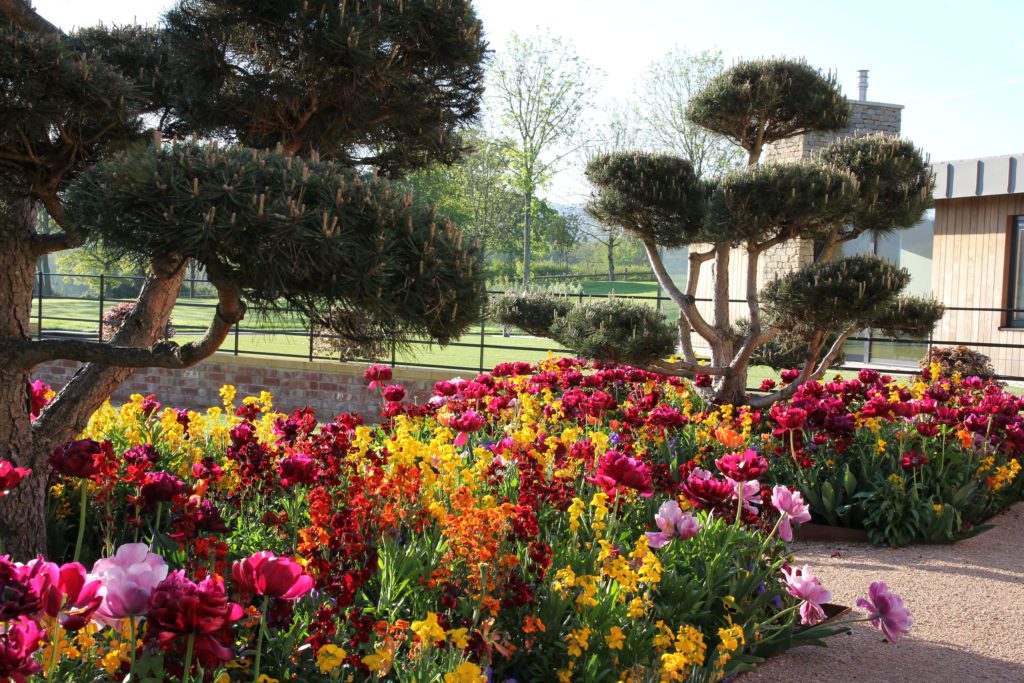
957	65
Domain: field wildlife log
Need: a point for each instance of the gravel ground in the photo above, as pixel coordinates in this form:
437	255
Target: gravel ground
966	600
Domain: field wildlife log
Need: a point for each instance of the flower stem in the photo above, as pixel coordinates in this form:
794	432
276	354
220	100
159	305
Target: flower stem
81	521
131	648
259	639
186	674
56	652
156	525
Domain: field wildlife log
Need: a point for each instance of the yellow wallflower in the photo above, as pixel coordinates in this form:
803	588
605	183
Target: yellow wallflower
458	637
227	394
330	658
615	638
576	510
428	630
578	640
467	672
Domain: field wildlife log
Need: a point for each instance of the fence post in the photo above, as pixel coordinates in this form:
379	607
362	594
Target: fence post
100	333
39	309
483	323
236	339
657	305
310	340
930	332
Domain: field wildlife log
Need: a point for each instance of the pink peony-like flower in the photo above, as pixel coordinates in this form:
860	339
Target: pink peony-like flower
751	491
788	417
11	476
802	584
886	611
18	642
19	590
128	579
744	466
617	471
377	375
267	574
78	458
469	421
673	523
705	491
180	608
792	507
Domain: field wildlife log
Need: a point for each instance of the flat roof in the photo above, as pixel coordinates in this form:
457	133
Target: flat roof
981	177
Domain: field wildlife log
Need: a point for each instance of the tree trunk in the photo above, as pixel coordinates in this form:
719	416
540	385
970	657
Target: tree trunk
611	258
26	443
527	211
23	510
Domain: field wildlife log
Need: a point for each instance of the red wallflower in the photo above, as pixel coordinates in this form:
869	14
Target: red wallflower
298	468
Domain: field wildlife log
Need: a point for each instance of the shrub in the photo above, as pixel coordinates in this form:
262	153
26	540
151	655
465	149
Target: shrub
617	331
961	360
532	312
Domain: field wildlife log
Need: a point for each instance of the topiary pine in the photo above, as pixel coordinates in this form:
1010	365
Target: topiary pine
531	312
617	331
339	91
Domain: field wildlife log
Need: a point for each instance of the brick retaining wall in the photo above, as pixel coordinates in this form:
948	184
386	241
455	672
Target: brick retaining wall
328	387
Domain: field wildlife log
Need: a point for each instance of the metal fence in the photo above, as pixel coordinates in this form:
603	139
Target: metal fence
79	311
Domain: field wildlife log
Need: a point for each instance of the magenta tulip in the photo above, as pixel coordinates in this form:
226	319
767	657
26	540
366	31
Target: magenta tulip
802	584
886	611
673	524
266	574
792	508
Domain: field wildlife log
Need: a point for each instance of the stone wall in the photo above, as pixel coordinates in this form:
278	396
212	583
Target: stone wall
328	387
866	118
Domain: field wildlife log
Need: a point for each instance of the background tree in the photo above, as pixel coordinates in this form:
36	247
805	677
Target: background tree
541	89
873	184
334	89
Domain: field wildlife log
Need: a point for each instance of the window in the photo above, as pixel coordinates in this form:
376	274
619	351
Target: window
1015	299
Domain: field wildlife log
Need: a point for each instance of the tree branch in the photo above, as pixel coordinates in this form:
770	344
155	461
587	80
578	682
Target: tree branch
22	16
230	309
683	368
69	238
685	302
807	374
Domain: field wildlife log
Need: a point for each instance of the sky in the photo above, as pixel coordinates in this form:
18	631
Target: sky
957	66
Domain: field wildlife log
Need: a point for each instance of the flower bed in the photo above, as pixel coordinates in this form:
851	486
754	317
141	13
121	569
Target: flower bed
531	524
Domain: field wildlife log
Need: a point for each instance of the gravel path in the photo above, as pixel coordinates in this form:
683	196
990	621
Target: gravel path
966	600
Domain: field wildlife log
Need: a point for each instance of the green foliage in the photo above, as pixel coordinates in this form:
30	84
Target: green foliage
778	201
894	182
962	360
758	102
532	312
381	83
833	295
93	260
656	197
914	316
616	330
290	233
59	109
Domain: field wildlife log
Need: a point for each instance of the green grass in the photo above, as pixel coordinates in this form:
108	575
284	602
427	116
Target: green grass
289	332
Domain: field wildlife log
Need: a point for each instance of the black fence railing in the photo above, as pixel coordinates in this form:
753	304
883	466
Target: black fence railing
80	308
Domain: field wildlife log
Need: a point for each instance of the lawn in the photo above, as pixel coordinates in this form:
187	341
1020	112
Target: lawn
287	334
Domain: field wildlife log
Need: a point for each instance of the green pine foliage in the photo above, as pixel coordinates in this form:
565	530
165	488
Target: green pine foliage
291	233
532	312
617	331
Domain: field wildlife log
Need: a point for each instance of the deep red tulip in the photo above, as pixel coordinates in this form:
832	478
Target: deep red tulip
78	458
179	608
377	375
18	643
616	470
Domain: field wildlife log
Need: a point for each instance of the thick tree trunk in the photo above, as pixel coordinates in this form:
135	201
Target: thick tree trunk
22	511
27	444
527	211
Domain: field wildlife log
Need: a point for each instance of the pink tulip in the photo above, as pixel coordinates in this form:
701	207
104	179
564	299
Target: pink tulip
469	421
267	574
674	523
791	506
18	643
886	611
802	584
128	579
66	592
745	466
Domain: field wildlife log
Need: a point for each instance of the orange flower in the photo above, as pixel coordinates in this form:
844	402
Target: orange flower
729	437
532	624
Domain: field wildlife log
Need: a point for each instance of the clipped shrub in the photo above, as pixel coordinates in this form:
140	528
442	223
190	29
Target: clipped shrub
532	312
115	316
617	331
959	359
913	316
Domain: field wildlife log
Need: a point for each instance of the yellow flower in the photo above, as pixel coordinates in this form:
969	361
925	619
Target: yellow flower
576	510
615	638
224	677
458	637
264	678
428	630
578	640
467	672
330	658
227	394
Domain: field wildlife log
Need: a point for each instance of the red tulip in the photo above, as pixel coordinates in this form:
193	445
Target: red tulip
469	421
11	476
180	608
393	393
299	468
377	375
78	458
266	574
